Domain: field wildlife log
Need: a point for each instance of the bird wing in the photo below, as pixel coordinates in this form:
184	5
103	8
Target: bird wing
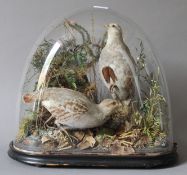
108	73
129	54
129	86
69	109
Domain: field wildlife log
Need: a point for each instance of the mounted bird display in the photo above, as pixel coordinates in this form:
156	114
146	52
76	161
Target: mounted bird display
72	109
116	65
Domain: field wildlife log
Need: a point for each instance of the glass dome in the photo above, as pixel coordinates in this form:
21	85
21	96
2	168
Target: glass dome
94	89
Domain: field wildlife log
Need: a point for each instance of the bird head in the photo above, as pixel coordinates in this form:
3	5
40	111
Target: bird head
114	34
113	29
108	106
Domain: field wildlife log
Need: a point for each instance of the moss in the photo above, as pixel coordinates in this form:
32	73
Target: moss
70	65
26	127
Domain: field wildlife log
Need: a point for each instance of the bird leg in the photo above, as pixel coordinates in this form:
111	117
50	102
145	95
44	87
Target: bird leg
114	89
62	128
48	120
67	134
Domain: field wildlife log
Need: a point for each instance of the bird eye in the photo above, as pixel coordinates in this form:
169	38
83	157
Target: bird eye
113	25
114	103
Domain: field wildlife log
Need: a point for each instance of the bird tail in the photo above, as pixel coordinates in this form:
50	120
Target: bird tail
30	97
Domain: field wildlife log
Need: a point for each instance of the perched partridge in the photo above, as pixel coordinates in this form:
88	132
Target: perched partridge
116	65
72	109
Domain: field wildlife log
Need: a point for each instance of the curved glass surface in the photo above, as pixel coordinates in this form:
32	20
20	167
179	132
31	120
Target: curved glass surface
94	86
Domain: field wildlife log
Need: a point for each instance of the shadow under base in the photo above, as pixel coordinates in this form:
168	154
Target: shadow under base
96	161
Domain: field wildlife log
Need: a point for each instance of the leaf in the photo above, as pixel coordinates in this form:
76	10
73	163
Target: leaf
79	135
142	142
88	142
119	149
45	139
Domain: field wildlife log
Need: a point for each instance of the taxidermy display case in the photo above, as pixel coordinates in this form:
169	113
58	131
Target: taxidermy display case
94	95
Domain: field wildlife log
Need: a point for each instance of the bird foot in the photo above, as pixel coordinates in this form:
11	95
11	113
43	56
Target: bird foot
63	129
47	121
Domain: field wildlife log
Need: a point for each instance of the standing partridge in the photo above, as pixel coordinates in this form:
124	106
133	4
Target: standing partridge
116	65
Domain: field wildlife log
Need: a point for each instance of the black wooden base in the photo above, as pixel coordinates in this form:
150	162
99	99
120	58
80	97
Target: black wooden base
95	161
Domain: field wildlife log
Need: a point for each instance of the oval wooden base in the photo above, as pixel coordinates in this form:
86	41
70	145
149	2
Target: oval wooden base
94	161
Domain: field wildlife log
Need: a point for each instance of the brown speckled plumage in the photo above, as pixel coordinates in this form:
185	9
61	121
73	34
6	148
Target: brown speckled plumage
73	109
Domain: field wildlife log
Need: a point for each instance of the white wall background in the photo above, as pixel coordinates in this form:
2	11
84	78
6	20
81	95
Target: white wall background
22	21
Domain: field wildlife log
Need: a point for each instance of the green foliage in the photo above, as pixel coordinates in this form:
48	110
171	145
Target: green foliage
70	63
149	116
26	127
142	56
40	55
70	79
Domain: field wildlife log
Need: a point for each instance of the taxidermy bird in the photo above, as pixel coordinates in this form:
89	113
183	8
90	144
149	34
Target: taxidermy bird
116	65
72	109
